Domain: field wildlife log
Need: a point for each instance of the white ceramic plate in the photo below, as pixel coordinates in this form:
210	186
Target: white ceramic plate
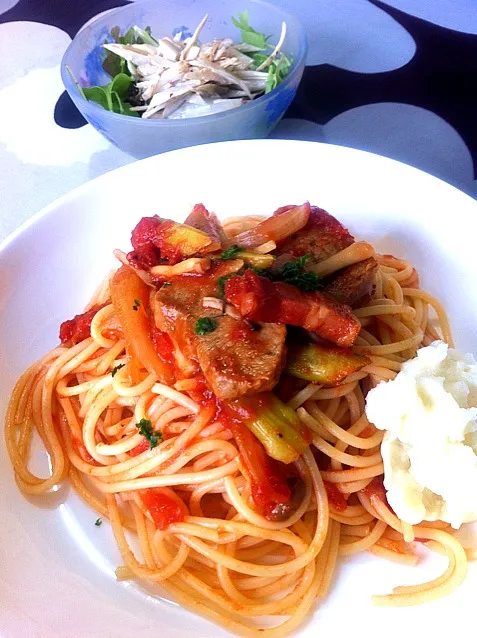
56	567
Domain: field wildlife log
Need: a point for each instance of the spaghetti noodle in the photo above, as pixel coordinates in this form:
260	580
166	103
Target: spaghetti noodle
222	557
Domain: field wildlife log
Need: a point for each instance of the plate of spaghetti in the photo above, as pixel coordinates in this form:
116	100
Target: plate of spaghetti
223	388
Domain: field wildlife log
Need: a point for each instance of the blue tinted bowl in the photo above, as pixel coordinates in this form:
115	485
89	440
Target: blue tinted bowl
145	137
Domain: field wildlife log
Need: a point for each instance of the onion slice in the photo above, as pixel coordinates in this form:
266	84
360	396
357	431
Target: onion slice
275	228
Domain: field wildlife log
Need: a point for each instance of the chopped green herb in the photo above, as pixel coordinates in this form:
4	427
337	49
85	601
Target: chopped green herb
136	305
99	522
116	368
295	265
294	273
166	284
230	253
306	281
145	428
205	325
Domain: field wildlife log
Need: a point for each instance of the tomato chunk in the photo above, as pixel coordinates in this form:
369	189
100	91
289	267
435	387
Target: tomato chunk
72	331
335	497
162	343
146	253
164	506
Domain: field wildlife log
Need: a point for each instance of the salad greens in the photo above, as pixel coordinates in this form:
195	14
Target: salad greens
249	35
278	69
112	97
136	91
112	63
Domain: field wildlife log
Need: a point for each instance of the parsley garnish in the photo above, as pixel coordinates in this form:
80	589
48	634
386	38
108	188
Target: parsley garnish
145	428
98	522
166	284
290	268
205	325
137	303
306	281
230	253
116	368
294	273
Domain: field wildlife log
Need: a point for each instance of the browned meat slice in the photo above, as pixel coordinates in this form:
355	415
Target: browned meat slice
322	237
354	285
235	360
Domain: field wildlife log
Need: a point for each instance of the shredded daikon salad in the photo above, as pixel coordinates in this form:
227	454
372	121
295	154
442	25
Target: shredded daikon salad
180	77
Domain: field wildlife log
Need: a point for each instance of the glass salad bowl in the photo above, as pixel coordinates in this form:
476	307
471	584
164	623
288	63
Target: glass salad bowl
82	63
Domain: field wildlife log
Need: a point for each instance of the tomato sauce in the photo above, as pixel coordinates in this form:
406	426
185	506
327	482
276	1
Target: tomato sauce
336	498
163	344
140	448
82	452
164	506
375	489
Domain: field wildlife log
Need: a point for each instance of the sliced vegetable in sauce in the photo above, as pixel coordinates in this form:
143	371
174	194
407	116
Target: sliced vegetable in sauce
268	483
126	286
276	228
323	364
275	425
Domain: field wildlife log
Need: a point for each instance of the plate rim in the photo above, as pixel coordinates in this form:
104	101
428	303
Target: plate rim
322	146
